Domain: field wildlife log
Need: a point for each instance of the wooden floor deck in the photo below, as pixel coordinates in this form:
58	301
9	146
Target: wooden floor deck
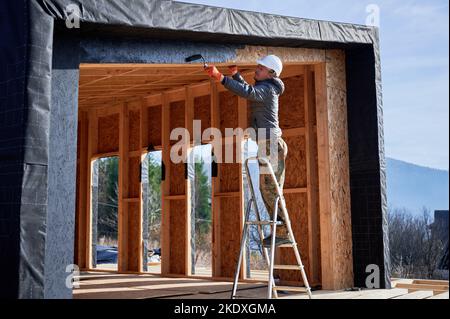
103	285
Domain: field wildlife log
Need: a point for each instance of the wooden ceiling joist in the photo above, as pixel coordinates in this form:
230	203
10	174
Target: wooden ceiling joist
106	84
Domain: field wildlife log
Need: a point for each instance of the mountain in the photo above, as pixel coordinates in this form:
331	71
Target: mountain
413	187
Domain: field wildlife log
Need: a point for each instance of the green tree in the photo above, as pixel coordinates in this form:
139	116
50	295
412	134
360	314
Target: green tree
154	200
203	218
108	176
202	197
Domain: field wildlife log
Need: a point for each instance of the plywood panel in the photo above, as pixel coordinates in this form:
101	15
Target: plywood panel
335	76
228	113
202	111
177	180
177	236
291	103
318	236
134	173
229	173
312	176
229	177
339	168
250	53
108	133
176	117
298	213
317	230
334	189
134	240
154	125
313	114
340	189
134	129
229	235
295	162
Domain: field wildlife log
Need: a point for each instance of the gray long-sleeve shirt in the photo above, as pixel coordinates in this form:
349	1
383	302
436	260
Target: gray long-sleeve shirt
264	101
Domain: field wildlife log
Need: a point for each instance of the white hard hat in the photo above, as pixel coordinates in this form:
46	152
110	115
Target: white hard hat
272	62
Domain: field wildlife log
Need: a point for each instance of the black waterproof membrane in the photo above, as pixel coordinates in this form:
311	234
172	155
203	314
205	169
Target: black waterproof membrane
40	59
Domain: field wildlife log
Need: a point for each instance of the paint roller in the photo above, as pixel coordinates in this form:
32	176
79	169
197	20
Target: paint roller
196	57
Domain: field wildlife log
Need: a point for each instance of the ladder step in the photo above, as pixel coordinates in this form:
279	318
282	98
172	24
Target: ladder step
287	245
290	288
288	267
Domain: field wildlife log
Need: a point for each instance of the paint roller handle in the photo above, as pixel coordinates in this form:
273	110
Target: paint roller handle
233	69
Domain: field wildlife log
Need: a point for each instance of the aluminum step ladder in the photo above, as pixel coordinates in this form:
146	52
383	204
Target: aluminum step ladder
273	289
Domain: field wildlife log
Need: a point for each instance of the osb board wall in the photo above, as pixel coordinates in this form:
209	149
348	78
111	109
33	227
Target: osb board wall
176	116
134	173
298	213
177	237
133	223
154	125
229	235
177	185
229	175
292	116
134	130
296	176
102	135
228	103
316	235
108	133
291	104
296	173
202	111
250	53
339	169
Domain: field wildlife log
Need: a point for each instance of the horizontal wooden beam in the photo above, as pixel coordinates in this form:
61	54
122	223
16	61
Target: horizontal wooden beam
422	286
174	197
170	65
102	155
294	190
226	194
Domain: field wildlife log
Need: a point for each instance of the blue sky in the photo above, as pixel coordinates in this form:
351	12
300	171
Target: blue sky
415	69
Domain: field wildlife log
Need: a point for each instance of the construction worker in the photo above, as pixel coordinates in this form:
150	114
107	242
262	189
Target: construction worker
264	114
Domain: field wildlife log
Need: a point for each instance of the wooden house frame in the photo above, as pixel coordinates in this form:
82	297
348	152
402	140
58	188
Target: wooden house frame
118	85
